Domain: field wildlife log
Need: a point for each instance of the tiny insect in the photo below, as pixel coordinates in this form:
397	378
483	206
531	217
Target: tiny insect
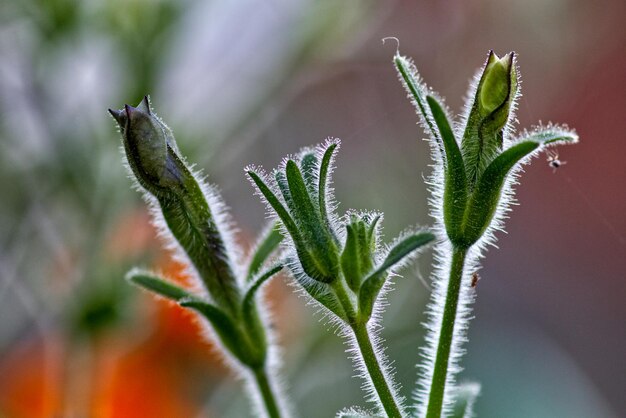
475	279
553	160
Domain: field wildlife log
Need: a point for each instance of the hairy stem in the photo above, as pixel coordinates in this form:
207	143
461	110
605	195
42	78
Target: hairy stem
375	371
367	351
446	335
267	394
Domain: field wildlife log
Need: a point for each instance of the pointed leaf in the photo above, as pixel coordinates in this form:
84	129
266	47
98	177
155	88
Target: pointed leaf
550	135
155	284
266	246
251	319
455	191
309	166
484	200
278	207
350	259
225	327
248	299
374	282
417	93
317	240
323	183
405	247
464	399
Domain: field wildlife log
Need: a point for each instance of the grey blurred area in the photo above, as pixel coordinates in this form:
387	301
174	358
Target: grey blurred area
251	82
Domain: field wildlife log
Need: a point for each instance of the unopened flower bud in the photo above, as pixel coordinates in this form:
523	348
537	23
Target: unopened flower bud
150	148
497	89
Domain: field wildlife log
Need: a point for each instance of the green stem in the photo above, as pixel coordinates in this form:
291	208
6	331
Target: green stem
368	354
268	396
375	371
440	373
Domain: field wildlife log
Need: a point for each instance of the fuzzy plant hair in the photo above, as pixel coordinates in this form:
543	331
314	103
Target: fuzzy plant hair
193	220
477	161
339	263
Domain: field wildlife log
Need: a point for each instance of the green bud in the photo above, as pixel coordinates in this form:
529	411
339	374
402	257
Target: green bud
496	85
150	148
490	112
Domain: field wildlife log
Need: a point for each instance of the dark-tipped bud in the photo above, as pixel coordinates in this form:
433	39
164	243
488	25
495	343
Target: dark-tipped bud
150	148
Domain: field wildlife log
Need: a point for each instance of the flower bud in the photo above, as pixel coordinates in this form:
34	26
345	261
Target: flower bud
497	89
150	148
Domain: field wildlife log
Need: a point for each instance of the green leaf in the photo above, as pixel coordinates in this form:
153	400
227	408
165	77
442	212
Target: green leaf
351	260
248	299
550	135
226	328
455	188
308	162
464	398
155	284
484	200
417	92
374	282
278	207
266	246
323	184
321	293
320	245
253	324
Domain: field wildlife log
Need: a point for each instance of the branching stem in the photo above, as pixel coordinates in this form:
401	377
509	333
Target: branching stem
446	335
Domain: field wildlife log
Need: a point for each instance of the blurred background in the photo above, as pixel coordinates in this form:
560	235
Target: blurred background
249	82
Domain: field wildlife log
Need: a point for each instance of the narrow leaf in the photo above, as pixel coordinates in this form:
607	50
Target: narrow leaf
155	284
417	92
484	200
248	299
276	205
350	259
266	246
551	134
404	248
254	326
317	240
455	189
374	282
224	326
323	183
309	166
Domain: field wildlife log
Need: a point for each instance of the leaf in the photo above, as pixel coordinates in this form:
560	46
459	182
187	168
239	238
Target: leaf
308	162
253	324
417	93
278	207
248	299
266	246
321	247
550	135
374	282
155	284
464	398
485	198
455	189
227	330
325	169
350	258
